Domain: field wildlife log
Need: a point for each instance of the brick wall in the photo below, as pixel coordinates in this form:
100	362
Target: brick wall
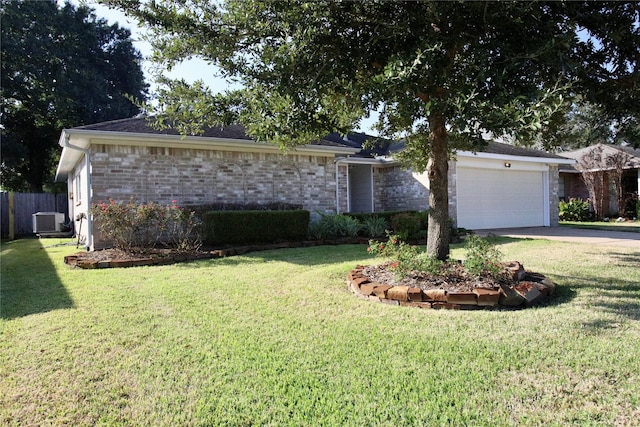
396	189
198	176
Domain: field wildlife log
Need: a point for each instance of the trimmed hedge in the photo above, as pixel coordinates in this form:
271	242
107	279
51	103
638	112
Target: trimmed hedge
249	227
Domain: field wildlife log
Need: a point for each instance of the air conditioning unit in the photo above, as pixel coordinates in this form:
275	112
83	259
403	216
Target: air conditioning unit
47	221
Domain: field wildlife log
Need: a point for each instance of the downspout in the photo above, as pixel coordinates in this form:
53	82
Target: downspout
87	164
337	162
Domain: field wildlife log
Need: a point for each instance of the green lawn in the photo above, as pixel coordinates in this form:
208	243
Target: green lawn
631	226
274	338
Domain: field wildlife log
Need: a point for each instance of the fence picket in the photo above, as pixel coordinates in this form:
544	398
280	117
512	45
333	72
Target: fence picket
26	204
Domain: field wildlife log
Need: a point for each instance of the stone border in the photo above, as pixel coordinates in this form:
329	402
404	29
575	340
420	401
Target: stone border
531	289
76	260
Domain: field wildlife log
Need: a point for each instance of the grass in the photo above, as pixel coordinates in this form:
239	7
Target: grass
630	226
275	338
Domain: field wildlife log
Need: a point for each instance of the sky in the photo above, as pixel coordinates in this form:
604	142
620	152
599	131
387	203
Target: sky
190	71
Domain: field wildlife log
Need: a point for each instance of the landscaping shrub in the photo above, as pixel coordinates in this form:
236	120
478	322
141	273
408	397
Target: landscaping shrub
319	230
375	226
574	210
337	226
406	225
200	210
481	257
246	227
141	226
183	226
388	215
406	258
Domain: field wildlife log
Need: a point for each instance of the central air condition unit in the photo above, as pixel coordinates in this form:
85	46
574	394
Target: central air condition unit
47	221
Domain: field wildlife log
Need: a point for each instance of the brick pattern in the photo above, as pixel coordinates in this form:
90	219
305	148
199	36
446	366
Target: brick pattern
198	176
396	189
343	188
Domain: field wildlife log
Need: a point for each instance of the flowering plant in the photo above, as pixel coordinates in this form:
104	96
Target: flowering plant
406	258
482	257
132	226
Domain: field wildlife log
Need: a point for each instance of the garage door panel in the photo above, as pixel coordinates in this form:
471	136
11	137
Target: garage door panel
494	198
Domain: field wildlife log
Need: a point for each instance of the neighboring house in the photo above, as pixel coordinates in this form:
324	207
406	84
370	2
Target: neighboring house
571	184
505	186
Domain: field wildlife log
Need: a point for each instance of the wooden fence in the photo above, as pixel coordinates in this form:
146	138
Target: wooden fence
24	206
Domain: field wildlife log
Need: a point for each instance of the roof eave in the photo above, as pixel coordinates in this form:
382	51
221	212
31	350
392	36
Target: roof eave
527	159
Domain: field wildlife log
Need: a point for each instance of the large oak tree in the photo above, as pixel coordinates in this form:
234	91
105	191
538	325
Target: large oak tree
442	74
60	67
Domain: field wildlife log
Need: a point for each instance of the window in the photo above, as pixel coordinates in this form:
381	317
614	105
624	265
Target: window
78	189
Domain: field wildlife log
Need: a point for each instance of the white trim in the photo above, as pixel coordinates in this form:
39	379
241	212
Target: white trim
548	160
143	139
373	206
83	138
546	199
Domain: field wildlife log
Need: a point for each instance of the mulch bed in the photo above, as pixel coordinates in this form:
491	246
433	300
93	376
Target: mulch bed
454	278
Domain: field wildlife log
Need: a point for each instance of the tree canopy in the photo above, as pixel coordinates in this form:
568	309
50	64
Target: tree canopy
61	67
442	74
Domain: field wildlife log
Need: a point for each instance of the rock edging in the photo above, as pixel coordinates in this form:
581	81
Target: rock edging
82	260
530	289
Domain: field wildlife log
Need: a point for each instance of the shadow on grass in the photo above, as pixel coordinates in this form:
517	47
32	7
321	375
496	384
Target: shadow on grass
619	296
29	283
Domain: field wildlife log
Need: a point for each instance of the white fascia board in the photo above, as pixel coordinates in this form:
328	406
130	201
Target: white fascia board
83	138
70	156
493	156
202	142
363	161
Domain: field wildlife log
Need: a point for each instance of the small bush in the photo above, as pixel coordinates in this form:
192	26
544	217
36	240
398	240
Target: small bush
482	257
135	226
574	210
319	230
335	226
347	226
375	226
406	258
406	225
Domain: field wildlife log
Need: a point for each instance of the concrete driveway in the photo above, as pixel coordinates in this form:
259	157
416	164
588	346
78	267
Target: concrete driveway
568	234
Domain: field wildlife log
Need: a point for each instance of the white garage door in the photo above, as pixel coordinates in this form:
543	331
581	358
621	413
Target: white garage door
489	198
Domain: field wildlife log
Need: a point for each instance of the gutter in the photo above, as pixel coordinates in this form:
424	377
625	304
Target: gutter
87	163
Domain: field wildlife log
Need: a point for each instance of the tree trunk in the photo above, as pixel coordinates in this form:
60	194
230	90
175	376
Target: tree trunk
437	168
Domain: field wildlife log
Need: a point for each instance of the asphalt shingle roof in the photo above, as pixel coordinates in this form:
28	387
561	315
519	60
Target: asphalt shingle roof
380	146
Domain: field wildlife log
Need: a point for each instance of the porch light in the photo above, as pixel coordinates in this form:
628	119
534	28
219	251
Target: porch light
507	164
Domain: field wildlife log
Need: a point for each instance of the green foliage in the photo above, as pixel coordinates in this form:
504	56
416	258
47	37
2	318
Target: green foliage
375	226
406	225
60	67
137	227
440	74
211	343
183	228
319	230
405	258
638	209
335	226
481	257
574	210
246	227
